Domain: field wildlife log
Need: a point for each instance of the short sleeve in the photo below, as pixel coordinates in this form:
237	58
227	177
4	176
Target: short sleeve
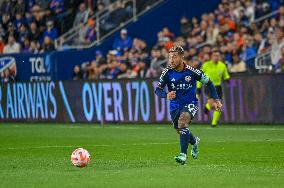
226	75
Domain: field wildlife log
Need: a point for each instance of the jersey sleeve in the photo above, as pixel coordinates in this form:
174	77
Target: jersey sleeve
163	79
203	78
225	75
200	75
199	84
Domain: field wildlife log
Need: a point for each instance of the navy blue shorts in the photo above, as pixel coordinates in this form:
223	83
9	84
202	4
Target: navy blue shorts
190	108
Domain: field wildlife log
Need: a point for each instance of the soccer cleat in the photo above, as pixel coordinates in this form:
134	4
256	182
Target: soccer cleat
194	149
181	158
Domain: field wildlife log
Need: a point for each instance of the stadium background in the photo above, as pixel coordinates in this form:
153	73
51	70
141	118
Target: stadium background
252	96
82	73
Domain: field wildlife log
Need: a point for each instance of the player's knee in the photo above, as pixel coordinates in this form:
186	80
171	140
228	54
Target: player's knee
210	102
184	120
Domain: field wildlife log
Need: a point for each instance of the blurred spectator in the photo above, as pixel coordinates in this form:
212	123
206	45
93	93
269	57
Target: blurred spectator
100	60
194	62
5	21
281	61
2	45
48	45
6	7
26	45
8	76
122	43
280	15
158	63
44	4
226	24
34	47
165	38
277	44
95	68
20	7
23	34
19	21
117	14
81	16
248	54
2	31
12	46
11	31
135	63
34	34
249	10
50	31
113	67
49	17
90	32
30	4
212	33
238	65
57	6
77	73
185	26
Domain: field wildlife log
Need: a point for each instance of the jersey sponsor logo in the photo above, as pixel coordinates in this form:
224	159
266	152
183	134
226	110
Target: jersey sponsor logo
173	80
193	70
187	78
181	86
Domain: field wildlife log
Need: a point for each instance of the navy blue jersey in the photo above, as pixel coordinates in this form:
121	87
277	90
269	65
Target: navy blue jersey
184	83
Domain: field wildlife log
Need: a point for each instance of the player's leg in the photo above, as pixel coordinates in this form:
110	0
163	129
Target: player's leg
207	107
217	113
186	137
194	141
183	122
175	115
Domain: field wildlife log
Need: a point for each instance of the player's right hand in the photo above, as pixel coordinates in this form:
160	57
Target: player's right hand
171	95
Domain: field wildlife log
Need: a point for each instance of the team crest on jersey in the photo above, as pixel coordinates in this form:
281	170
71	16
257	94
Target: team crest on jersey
187	78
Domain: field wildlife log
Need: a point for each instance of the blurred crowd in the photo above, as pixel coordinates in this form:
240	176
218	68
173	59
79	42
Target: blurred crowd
31	26
232	28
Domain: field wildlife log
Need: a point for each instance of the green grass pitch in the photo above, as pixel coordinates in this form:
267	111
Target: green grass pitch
38	155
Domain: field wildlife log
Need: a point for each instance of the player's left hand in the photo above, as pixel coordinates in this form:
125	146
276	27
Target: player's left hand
217	105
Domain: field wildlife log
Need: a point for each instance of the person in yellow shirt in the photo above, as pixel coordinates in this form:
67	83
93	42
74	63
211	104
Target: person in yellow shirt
217	71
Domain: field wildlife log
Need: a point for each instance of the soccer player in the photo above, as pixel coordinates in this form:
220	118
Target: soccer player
217	71
180	80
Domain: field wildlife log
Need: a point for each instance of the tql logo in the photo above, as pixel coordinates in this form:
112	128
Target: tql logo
38	65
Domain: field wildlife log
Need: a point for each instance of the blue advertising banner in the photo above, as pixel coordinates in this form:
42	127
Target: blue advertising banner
46	66
247	99
37	67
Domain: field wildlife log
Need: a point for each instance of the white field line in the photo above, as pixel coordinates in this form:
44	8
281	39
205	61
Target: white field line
239	128
103	145
280	128
134	144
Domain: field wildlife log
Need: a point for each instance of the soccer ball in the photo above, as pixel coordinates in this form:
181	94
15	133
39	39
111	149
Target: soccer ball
80	157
